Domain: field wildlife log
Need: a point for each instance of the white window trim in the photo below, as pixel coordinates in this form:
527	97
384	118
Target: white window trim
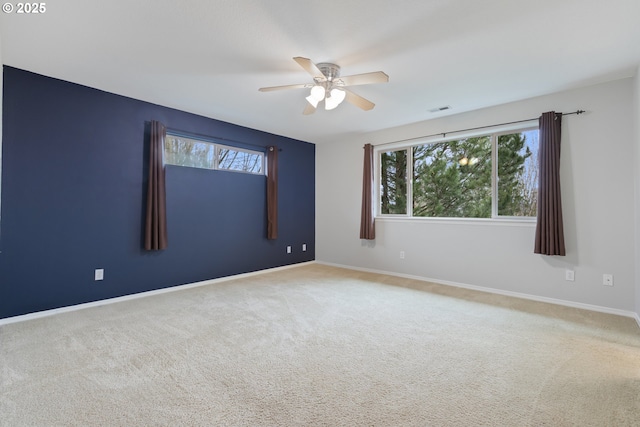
502	221
407	144
216	157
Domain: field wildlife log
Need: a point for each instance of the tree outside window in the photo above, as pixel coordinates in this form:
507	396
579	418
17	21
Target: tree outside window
182	151
454	178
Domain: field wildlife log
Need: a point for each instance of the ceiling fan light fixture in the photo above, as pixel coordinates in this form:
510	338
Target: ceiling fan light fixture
318	92
336	96
316	95
313	101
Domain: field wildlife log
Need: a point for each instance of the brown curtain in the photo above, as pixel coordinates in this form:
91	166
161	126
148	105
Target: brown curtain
549	228
367	220
155	237
272	192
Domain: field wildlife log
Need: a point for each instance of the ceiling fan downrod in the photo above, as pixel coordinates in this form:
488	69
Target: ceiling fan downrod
330	71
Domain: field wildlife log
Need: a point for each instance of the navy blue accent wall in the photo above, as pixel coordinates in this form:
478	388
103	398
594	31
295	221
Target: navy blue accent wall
73	199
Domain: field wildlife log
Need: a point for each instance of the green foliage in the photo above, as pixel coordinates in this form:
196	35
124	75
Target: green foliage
513	199
442	187
453	178
394	182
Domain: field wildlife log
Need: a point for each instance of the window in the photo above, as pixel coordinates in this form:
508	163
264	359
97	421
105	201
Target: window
184	151
240	160
518	173
484	176
394	182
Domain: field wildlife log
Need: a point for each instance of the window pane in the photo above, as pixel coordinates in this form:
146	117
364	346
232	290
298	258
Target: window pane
393	180
240	160
453	178
518	173
188	152
182	151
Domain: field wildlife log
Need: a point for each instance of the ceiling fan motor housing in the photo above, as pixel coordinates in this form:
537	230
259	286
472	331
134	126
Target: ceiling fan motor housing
330	71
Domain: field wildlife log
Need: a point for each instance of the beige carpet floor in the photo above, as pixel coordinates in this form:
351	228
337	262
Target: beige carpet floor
321	346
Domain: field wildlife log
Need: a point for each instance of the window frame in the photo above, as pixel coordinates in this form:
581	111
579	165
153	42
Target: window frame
217	147
493	132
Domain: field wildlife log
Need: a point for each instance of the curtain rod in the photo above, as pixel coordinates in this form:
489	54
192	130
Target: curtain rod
186	134
444	134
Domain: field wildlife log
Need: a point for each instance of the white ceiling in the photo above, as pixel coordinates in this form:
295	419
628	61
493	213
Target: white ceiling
210	57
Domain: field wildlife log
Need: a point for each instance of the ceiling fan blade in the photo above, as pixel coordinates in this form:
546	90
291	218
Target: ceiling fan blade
309	109
358	101
271	88
364	79
310	67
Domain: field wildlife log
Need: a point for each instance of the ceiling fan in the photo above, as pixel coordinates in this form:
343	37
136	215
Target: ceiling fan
329	87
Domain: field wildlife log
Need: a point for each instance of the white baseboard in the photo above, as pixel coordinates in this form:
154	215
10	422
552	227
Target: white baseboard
565	303
51	312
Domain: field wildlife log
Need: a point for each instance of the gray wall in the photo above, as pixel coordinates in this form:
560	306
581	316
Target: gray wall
637	182
598	201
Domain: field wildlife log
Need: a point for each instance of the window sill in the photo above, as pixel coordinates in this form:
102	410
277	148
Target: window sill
518	222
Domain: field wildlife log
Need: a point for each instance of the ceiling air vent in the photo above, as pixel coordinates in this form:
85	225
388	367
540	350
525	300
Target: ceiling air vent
437	110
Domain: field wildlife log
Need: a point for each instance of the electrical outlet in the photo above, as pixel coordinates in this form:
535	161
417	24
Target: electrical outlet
288	249
304	247
607	279
401	254
569	275
99	274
